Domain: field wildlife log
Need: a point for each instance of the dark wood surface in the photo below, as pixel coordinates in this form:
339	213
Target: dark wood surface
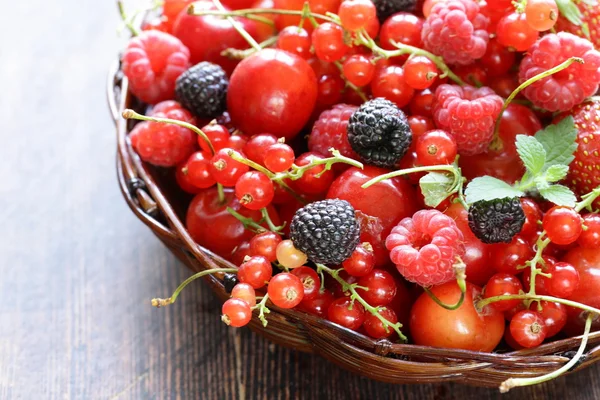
77	270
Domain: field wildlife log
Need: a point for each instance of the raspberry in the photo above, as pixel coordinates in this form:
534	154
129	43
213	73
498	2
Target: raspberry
424	247
456	31
203	90
327	231
379	132
385	8
496	221
330	131
152	62
162	144
569	87
468	114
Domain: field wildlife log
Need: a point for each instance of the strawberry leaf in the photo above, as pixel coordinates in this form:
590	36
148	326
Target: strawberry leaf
559	142
436	187
570	11
531	152
489	188
559	195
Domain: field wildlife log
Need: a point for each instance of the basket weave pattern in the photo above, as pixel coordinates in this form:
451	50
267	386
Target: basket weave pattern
150	201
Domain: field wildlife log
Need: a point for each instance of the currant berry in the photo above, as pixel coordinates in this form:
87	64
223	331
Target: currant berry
236	313
359	70
218	136
240	253
422	105
294	40
564	280
237	142
361	262
225	169
514	32
347	313
402	28
497	59
590	237
256	272
420	72
502	284
338	289
329	91
375	328
356	14
317	306
508	257
380	288
265	244
328	42
256	148
435	148
390	83
244	291
563	225
289	256
285	290
254	190
310	281
528	328
315	180
533	214
197	171
554	316
541	15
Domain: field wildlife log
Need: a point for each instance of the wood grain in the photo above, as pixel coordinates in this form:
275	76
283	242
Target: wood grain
77	269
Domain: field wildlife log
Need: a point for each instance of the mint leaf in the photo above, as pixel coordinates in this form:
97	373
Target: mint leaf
570	11
531	152
556	172
489	188
559	142
559	195
436	187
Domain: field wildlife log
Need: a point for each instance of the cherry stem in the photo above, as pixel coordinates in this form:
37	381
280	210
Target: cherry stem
459	269
165	302
256	11
262	309
497	142
516	382
220	193
126	20
130	114
237	54
355	296
236	25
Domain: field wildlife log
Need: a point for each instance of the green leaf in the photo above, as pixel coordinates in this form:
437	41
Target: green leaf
531	152
569	10
436	187
556	172
559	142
559	195
489	188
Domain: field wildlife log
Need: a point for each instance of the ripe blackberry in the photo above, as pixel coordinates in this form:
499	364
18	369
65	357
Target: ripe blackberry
229	282
385	8
456	31
496	221
327	231
202	89
569	87
468	114
379	132
330	131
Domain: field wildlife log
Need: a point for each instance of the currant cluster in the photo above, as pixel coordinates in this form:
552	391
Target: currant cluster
449	171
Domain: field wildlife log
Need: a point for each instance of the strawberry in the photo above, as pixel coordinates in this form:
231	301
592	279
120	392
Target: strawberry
584	171
589	27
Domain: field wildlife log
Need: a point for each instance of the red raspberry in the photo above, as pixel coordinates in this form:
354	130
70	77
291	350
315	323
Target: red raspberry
590	17
469	114
424	247
569	87
456	31
161	144
152	62
330	131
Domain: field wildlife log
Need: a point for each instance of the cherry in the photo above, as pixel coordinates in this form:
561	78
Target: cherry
533	214
289	256
218	136
236	313
212	226
310	281
396	199
422	104
563	225
347	313
294	40
265	244
502	284
172	8
465	328
285	290
513	31
507	257
224	169
256	148
244	292
541	15
528	328
380	288
361	262
197	170
318	305
375	328
328	42
497	59
390	82
554	316
272	91
590	237
359	70
420	72
315	180
254	190
435	148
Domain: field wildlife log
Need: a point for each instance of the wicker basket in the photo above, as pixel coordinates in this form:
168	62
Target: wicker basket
153	200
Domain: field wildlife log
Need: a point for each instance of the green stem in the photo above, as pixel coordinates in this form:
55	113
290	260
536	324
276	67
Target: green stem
349	84
262	309
297	172
238	54
130	114
516	382
587	200
460	268
134	31
255	11
393	174
267	218
165	302
355	296
240	29
220	193
248	223
535	297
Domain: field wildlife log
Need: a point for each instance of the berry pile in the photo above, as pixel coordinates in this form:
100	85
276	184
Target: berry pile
384	163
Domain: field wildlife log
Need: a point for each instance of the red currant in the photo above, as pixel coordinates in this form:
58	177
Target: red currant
197	170
328	42
347	313
183	180
310	281
435	148
564	281
218	136
503	284
254	190
497	59
541	14
330	88
237	142
420	125
359	70
380	287
265	244
318	305
528	328
294	40
244	292
285	290
513	31
375	328
533	214
563	225
256	148
356	14
554	316
236	313
507	257
590	237
315	180
420	72
422	104
361	262
238	255
225	169
403	28
256	272
390	83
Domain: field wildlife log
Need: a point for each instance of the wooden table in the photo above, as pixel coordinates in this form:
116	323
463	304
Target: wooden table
77	270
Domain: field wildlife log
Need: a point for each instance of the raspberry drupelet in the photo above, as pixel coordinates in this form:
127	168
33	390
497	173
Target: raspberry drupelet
468	114
456	31
424	247
152	62
569	87
330	131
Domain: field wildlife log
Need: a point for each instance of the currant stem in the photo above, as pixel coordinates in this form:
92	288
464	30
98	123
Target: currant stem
165	302
355	296
587	200
130	114
267	218
400	172
516	382
255	11
297	172
247	222
536	297
134	31
498	145
262	309
237	54
238	27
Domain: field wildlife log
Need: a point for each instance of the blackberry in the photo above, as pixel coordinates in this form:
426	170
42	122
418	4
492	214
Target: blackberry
202	89
327	231
385	8
229	282
496	220
379	133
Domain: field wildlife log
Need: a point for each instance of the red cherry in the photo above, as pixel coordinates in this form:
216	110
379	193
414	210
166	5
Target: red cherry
264	30
285	290
347	313
272	91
